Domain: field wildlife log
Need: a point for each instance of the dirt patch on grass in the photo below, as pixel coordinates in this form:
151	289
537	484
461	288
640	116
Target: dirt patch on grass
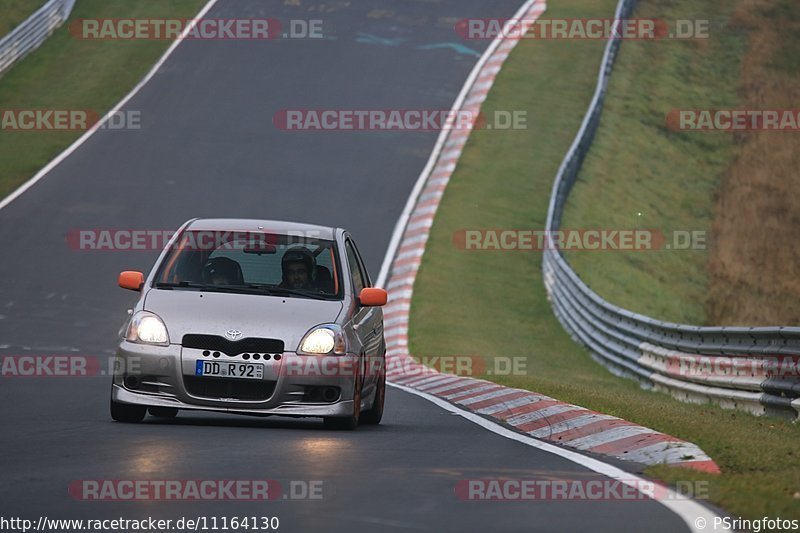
754	263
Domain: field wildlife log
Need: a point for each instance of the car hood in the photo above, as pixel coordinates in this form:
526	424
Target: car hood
214	313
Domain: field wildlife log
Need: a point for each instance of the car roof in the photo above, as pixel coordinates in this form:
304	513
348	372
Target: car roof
253	224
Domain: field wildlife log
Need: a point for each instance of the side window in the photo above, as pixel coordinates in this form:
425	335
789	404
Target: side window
355	267
364	273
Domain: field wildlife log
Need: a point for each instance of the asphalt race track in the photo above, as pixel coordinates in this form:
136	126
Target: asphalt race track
208	147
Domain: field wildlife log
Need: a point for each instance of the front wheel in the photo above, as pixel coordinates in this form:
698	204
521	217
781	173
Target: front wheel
123	412
373	415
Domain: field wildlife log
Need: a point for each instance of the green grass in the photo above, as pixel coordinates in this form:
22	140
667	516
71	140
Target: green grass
493	303
637	165
12	12
67	73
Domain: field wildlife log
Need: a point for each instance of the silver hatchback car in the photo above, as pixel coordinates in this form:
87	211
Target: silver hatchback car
254	317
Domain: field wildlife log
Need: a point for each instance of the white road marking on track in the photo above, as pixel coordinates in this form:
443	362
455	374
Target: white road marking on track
687	509
402	221
83	138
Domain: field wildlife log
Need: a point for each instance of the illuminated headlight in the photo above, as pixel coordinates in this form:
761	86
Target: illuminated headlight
147	328
322	340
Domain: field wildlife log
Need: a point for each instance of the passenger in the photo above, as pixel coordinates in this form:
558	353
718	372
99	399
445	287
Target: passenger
222	271
297	265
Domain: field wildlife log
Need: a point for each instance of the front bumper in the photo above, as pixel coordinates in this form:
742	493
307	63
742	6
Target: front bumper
339	409
157	376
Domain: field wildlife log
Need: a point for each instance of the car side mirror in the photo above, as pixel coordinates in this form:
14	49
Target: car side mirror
373	297
131	280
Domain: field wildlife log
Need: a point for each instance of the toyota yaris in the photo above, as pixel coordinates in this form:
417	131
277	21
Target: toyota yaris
254	317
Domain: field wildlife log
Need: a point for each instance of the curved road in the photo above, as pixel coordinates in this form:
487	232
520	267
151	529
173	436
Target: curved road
207	147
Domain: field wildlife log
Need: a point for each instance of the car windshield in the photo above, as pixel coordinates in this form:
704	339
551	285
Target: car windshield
246	262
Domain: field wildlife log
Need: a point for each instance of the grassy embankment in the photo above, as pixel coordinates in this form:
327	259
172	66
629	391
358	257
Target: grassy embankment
493	303
69	73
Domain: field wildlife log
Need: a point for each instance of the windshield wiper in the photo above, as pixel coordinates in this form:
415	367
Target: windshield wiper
273	290
201	286
250	288
173	284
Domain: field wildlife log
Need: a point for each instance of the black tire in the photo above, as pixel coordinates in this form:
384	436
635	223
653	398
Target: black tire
123	412
163	412
373	415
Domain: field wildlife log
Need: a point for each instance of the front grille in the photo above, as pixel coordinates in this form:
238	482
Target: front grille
221	344
238	389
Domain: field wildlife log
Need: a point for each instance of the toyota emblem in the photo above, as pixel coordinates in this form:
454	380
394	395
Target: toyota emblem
233	334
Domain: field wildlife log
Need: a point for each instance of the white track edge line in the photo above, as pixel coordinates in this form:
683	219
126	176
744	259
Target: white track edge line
83	138
401	223
687	509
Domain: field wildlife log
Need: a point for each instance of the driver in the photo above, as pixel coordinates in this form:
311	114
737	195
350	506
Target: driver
297	265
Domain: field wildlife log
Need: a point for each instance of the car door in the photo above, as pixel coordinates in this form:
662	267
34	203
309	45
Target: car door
376	346
367	322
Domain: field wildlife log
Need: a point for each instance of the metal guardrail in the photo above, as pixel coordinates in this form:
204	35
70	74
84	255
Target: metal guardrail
745	368
32	32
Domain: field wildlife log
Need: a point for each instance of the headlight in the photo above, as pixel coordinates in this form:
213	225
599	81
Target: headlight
327	339
147	328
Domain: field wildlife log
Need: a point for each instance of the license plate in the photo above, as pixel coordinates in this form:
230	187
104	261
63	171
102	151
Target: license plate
226	369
